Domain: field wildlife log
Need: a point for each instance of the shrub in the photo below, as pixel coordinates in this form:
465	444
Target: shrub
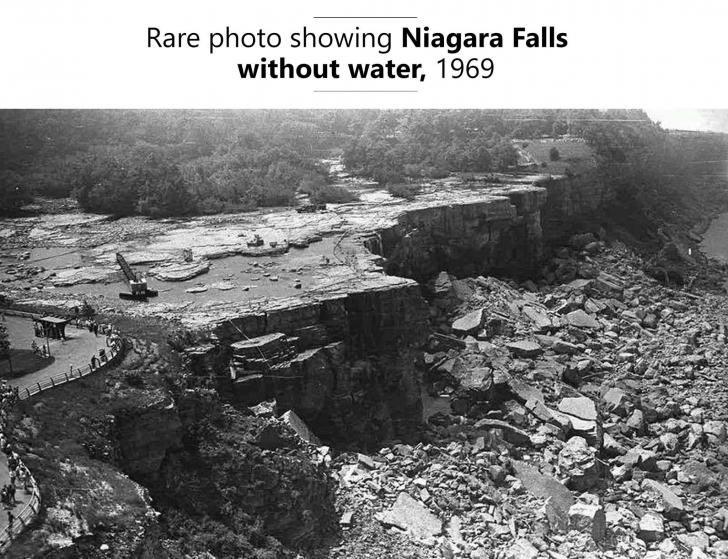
87	310
403	190
134	379
330	194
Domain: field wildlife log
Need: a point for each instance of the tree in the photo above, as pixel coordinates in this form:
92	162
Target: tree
87	310
12	192
554	154
5	346
559	128
504	155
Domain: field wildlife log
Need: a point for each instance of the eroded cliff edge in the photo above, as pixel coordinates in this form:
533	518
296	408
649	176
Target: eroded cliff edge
343	357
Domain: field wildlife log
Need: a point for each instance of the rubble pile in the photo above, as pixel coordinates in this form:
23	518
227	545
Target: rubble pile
586	419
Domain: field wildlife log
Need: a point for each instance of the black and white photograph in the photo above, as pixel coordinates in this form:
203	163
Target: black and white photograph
364	333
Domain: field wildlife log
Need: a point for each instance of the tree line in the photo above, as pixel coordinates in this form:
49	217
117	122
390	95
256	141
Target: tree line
169	163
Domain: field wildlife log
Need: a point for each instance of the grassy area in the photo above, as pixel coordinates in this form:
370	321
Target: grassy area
574	154
23	362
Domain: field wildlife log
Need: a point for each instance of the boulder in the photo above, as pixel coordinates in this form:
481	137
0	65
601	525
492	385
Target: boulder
616	401
521	549
525	348
524	392
673	507
611	447
299	427
639	458
701	540
636	421
581	407
578	461
413	517
607	284
560	346
180	271
715	431
580	319
512	434
442	284
540	410
651	528
469	324
539	317
589	519
559	499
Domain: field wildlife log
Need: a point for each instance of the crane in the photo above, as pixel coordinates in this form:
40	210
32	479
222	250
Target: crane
137	284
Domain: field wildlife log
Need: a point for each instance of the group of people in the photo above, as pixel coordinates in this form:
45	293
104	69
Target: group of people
41	333
94	327
40	351
19	474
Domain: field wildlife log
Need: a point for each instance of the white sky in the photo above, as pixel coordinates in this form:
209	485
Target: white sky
714	120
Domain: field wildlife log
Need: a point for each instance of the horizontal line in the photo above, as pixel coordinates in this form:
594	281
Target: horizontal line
364	17
582	119
365	90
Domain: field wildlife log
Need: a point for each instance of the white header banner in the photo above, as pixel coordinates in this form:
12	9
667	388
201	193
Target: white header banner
374	54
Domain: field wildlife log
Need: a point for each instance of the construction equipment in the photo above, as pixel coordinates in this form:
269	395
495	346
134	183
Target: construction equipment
256	242
137	284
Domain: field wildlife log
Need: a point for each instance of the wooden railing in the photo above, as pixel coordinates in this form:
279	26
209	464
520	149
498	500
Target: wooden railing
24	517
28	390
32	507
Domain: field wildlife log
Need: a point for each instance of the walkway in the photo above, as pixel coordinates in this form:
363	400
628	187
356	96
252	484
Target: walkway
71	360
21	498
76	350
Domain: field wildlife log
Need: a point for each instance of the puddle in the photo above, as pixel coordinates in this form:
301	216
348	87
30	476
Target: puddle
305	266
56	257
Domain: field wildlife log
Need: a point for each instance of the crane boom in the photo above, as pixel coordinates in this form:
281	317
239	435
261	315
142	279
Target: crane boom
137	283
124	265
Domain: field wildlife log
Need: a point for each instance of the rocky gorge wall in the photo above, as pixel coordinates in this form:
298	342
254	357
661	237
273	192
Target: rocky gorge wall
505	232
344	362
500	233
574	204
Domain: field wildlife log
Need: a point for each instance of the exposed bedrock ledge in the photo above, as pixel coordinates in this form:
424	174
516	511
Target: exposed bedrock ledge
343	362
499	234
574	204
343	357
503	232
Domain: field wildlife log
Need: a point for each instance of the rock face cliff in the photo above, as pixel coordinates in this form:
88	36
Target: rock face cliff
344	362
574	204
343	359
113	451
146	434
500	234
246	474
